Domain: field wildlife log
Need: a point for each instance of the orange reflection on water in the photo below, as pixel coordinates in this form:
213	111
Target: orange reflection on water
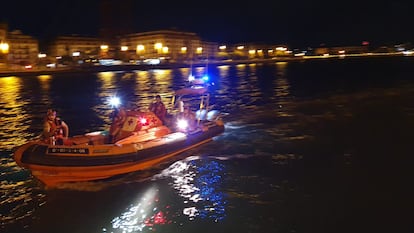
44	82
107	79
185	72
163	79
12	113
224	71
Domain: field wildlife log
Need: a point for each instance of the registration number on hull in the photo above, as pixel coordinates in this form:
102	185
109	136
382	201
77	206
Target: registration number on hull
65	150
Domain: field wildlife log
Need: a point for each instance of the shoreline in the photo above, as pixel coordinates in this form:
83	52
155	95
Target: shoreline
128	67
132	67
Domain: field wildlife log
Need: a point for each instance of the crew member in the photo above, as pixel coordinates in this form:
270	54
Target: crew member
158	108
55	130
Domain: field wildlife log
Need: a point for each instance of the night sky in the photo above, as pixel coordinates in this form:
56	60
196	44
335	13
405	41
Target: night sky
298	23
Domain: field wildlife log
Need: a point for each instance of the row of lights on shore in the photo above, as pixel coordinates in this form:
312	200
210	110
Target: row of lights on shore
4	48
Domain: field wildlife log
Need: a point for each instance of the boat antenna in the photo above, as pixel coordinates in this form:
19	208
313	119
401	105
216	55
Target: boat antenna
207	65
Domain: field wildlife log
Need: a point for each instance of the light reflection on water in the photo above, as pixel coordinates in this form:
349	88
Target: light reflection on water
14	120
144	213
20	196
197	184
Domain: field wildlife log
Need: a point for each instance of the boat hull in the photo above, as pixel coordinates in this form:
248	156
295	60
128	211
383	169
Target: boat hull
53	165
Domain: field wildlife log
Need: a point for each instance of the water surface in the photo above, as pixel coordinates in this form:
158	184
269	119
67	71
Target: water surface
313	146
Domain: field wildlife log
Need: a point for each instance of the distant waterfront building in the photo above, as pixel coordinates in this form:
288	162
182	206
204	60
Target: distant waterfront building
349	49
23	49
254	51
167	44
77	47
341	50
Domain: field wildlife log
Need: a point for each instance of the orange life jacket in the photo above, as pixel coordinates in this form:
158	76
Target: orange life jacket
56	128
159	109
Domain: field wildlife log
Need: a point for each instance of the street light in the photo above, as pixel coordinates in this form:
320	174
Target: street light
4	50
124	53
104	51
140	50
158	46
41	60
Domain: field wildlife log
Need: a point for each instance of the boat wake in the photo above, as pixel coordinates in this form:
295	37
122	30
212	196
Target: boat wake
161	171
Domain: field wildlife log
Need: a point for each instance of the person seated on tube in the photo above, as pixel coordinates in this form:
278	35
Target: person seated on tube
55	130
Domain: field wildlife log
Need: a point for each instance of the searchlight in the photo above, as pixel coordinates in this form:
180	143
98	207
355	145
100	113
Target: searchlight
182	124
114	101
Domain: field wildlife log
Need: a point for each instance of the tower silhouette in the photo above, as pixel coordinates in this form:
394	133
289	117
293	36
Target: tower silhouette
116	19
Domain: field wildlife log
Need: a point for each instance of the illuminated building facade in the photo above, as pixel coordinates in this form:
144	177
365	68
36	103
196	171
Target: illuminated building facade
167	44
23	49
76	46
341	50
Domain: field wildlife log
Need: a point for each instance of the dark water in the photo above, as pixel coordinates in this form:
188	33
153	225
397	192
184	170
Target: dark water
315	146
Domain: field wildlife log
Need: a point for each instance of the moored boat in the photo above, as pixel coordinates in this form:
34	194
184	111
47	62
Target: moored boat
142	141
